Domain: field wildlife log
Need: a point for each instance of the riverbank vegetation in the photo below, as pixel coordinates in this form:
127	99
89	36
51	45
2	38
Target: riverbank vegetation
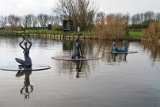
112	26
86	16
153	31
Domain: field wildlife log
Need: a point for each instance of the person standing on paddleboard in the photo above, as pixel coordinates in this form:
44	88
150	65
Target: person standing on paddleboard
27	62
78	52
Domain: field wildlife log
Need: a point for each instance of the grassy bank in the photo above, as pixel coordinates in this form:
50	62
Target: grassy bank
42	31
131	35
135	34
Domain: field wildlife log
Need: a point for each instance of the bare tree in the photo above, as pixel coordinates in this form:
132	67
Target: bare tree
137	18
43	19
56	19
157	16
149	15
13	20
100	17
3	21
53	19
82	12
35	21
24	21
28	20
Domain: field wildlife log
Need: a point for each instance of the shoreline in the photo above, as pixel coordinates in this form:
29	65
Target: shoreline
68	37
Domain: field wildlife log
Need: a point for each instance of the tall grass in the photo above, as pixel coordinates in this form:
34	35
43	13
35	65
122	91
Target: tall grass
112	27
153	31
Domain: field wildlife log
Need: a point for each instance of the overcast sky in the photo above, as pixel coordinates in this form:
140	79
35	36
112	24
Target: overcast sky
23	7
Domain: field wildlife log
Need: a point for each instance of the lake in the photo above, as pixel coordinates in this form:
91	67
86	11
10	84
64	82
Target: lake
125	81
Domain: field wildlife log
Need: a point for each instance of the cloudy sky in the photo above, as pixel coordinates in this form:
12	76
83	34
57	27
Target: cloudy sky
23	7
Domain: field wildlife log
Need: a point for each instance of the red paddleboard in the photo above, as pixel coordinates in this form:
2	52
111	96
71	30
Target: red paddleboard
68	58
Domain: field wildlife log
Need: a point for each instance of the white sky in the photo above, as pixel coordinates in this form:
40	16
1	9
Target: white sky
23	7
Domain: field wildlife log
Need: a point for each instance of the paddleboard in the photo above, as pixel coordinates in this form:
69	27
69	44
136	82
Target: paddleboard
16	68
68	58
129	52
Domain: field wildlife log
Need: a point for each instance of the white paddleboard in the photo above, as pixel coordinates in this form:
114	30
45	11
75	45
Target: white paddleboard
16	68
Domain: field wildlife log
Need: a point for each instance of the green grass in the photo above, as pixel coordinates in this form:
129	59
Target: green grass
43	31
8	32
135	34
132	34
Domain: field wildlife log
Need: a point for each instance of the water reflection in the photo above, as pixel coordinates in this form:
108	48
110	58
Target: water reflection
91	47
153	49
121	57
82	69
77	69
27	87
131	84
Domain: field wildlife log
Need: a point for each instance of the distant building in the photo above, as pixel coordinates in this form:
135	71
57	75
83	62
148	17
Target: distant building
67	25
49	26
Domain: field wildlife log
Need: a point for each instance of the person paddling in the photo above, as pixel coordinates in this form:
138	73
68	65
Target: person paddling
124	49
27	62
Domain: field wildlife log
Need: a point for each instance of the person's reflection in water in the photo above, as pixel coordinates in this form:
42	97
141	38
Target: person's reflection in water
125	58
27	88
115	55
78	67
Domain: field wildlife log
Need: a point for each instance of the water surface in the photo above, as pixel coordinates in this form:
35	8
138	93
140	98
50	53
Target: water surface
131	81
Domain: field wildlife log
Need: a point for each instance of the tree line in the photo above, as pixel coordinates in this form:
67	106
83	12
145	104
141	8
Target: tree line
85	15
142	20
139	20
28	21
